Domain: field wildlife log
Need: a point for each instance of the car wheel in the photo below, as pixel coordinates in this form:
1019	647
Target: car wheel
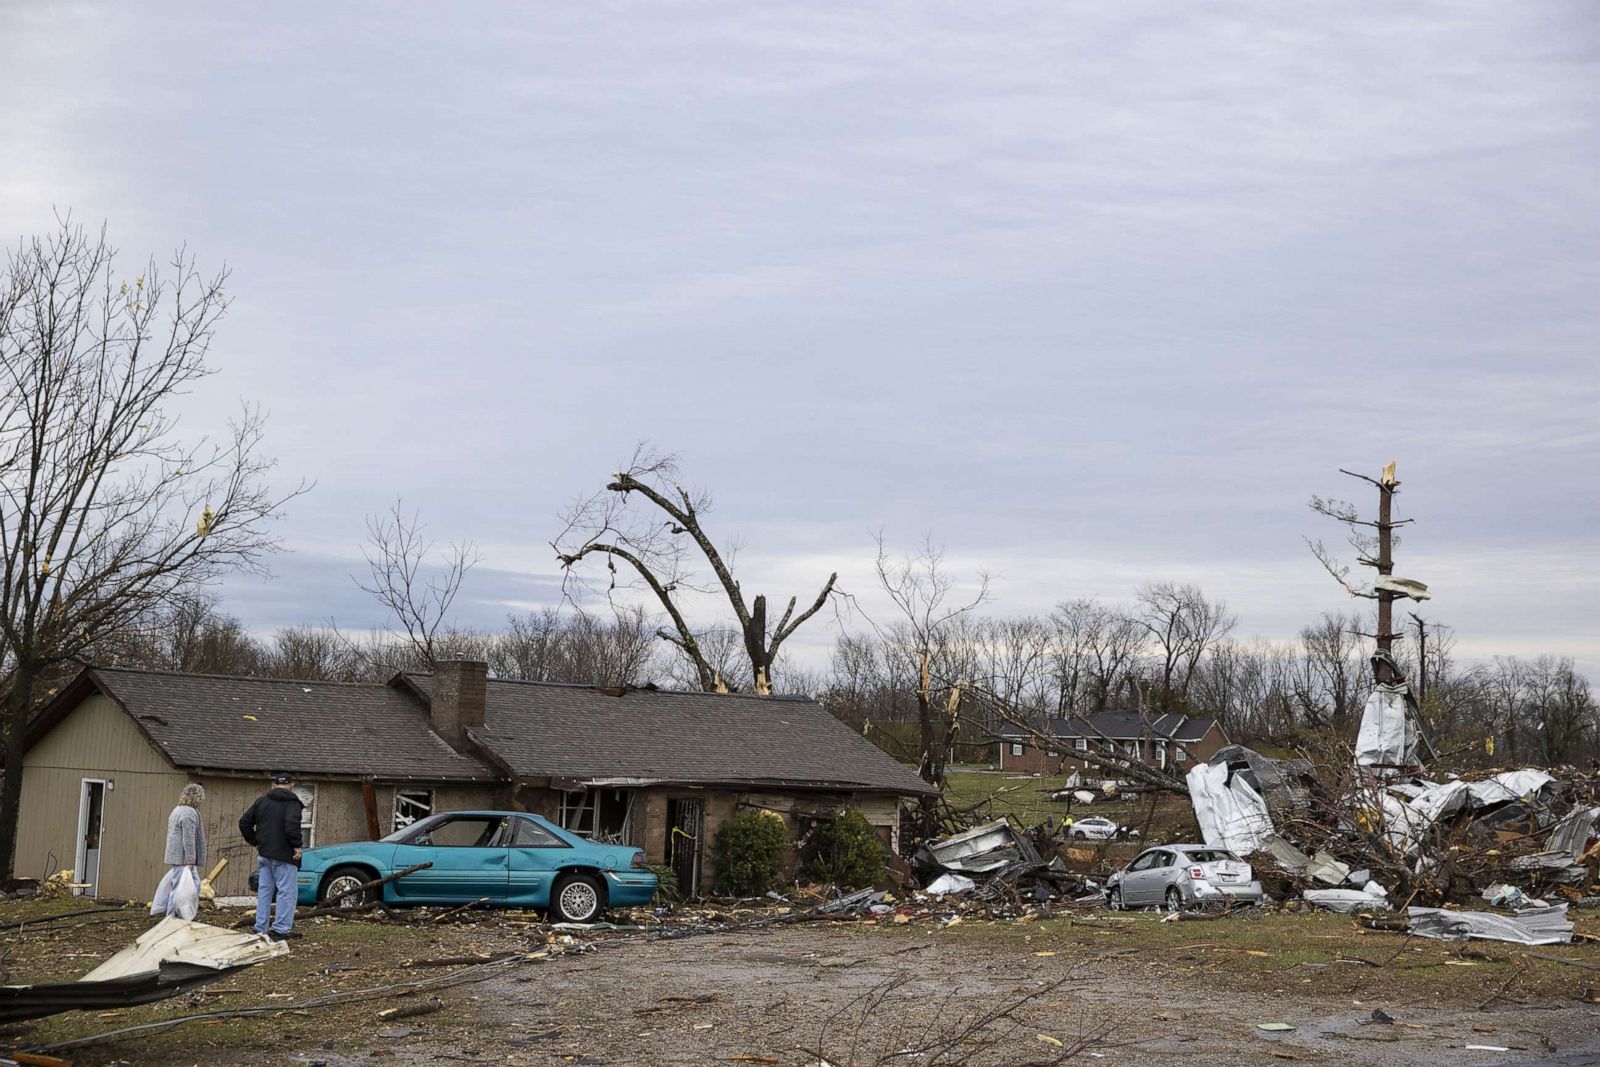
1080	835
342	880
1114	899
1174	899
577	898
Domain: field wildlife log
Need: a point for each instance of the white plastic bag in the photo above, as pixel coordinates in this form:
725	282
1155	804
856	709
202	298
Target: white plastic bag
178	893
184	901
158	903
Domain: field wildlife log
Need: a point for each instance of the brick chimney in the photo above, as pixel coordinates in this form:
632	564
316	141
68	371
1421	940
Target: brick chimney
458	697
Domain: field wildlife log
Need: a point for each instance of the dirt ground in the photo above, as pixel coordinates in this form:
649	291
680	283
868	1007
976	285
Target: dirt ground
1109	987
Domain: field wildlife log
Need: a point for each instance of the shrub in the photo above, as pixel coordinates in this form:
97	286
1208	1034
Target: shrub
844	851
748	848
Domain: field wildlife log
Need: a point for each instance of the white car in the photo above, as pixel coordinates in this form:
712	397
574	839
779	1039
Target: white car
1094	828
1183	876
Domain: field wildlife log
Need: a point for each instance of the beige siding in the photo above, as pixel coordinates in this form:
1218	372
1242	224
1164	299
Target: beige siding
98	740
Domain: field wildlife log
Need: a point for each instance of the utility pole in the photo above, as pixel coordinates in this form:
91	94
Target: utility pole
1385	562
1374	549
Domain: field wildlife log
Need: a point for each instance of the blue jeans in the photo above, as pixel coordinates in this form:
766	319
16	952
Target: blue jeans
279	883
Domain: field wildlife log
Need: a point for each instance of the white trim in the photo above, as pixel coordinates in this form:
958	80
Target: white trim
1016	748
81	853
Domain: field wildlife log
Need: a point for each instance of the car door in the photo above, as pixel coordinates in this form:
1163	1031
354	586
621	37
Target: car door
469	854
1135	883
1152	878
536	856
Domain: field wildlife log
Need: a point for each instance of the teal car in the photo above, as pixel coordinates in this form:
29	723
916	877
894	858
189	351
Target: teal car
496	857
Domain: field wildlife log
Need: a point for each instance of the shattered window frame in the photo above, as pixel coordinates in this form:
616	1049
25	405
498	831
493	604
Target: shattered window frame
307	795
409	809
582	817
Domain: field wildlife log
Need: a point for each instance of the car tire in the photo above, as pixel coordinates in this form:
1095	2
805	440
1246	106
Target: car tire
1114	898
341	879
1080	835
1174	899
577	898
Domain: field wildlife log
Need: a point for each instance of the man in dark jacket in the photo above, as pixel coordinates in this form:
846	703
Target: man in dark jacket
272	825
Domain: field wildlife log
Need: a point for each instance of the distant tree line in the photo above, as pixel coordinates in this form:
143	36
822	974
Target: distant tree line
1173	650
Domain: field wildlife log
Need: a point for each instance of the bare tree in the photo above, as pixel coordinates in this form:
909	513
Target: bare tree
397	552
658	545
586	649
1183	624
925	596
106	512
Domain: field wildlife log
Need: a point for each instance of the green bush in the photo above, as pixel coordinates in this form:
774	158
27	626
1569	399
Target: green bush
748	848
844	851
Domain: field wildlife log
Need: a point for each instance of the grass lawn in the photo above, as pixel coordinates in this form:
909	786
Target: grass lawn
1026	799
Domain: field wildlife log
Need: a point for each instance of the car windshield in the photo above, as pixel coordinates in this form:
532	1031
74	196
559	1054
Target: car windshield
411	828
1210	855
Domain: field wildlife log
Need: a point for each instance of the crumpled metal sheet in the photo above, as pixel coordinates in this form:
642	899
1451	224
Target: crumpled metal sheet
1535	926
175	940
979	850
1388	733
1230	812
1572	834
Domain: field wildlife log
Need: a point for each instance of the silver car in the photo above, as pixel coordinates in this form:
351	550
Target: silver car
1183	876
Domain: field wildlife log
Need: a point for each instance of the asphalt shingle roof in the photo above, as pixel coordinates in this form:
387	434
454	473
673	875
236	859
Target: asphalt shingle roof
550	730
1121	726
265	724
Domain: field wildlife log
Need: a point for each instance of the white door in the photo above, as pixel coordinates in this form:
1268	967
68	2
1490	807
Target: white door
91	821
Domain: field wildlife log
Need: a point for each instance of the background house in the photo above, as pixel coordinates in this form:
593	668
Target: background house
1156	743
659	770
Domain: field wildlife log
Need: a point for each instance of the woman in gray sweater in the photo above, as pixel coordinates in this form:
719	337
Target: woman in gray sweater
186	833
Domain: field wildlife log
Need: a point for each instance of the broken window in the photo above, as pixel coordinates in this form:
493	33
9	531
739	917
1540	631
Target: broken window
308	815
411	805
598	813
578	811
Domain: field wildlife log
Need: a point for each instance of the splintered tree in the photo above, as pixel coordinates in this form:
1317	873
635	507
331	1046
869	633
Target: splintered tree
107	513
924	596
658	543
1373	549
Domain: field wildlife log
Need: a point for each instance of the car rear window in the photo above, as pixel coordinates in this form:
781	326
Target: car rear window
1209	855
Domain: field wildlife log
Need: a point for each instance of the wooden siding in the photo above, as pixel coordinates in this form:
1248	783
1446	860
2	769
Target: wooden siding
98	740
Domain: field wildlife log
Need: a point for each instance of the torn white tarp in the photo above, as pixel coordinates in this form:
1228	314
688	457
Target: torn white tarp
1388	735
174	940
1231	814
949	883
1536	926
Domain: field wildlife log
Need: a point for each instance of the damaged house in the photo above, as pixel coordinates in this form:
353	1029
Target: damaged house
1165	741
108	755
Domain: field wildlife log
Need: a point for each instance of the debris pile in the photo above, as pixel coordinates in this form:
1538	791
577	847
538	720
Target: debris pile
1360	833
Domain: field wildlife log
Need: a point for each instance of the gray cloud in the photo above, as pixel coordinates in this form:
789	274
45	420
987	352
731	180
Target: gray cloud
1092	292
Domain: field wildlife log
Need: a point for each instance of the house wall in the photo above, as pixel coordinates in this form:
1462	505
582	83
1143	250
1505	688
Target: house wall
97	740
1062	759
649	828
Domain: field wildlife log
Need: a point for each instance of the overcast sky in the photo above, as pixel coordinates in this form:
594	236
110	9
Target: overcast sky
1091	293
